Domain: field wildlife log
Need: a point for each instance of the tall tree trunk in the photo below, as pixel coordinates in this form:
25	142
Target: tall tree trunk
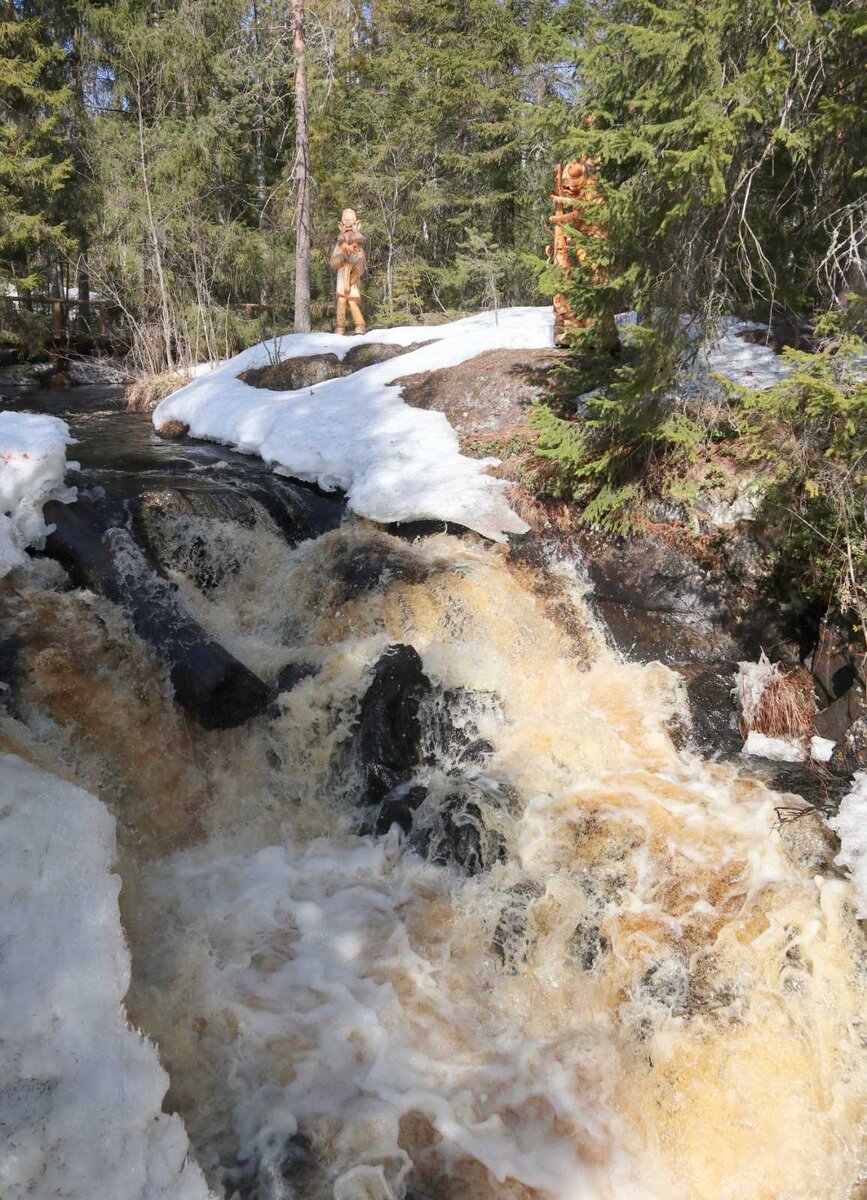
302	175
165	314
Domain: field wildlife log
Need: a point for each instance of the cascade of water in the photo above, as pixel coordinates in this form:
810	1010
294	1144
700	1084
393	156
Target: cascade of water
589	965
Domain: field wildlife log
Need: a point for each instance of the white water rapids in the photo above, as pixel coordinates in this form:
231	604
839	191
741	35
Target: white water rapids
656	991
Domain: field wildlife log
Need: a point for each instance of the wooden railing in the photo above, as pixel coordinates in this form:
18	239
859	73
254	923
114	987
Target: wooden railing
78	322
63	326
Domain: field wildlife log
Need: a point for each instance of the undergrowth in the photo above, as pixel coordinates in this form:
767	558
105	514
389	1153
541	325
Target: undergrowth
655	430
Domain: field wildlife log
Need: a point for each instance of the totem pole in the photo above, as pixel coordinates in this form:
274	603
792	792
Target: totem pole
577	208
348	260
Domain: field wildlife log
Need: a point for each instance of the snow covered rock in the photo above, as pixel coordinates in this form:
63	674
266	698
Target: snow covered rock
80	1091
395	463
32	466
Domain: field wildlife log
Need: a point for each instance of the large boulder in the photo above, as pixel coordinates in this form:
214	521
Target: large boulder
388	737
207	680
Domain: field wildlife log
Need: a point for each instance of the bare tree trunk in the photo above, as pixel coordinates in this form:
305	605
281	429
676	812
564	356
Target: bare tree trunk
302	175
158	258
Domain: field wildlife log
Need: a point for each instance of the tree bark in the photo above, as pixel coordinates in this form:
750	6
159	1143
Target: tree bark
302	175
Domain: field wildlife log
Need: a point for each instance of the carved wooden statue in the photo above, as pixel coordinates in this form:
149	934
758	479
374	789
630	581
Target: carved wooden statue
577	207
348	260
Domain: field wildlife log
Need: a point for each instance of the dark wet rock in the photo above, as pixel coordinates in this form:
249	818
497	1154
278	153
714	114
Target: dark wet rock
671	600
658	602
10	651
833	721
282	1169
810	781
398	808
850	753
509	942
451	734
838	661
714	725
388	737
667	983
363	564
290	675
588	943
207	680
456	834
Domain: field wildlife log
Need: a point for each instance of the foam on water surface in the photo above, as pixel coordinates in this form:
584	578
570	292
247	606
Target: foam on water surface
655	991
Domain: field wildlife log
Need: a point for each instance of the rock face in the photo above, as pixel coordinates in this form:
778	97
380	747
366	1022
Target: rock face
207	680
404	725
487	395
389	730
850	753
293	374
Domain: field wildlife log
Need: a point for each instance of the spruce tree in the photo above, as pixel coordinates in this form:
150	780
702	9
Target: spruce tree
34	165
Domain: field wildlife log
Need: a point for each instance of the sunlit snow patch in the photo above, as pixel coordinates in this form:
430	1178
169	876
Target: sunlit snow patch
780	749
32	465
80	1091
395	463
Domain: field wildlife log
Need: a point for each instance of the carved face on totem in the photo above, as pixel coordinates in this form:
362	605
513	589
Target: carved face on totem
577	175
349	224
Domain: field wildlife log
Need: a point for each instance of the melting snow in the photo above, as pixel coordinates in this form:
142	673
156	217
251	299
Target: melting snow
80	1091
850	825
395	463
32	465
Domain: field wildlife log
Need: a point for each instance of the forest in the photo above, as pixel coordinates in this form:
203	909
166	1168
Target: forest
152	158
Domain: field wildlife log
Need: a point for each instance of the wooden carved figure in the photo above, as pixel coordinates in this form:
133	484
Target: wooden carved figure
348	260
577	206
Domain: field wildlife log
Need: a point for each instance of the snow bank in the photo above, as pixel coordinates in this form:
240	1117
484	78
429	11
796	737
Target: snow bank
32	464
752	365
395	463
80	1091
850	825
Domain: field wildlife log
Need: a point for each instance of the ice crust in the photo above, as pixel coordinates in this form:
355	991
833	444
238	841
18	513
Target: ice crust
32	466
80	1090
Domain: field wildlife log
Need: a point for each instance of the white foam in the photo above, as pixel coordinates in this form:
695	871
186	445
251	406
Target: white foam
80	1091
32	466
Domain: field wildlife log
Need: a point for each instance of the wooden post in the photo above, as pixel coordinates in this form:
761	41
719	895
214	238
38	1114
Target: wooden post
57	310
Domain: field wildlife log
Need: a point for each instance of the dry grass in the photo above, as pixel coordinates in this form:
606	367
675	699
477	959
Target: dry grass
148	390
775	701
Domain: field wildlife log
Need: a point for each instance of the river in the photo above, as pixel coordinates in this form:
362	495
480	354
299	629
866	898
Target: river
593	965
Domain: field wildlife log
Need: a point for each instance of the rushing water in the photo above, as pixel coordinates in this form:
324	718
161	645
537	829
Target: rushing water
653	987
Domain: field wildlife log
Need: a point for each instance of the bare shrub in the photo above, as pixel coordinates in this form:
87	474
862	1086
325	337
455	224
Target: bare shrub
148	390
